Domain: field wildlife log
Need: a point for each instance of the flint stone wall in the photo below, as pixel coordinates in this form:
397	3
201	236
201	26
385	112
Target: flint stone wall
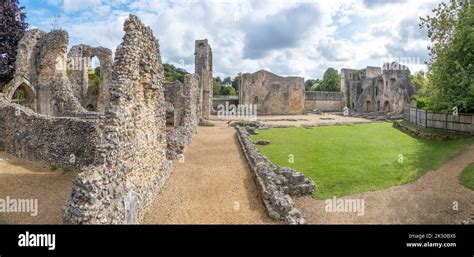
276	184
65	141
184	97
203	68
130	165
271	93
323	101
78	64
41	64
174	96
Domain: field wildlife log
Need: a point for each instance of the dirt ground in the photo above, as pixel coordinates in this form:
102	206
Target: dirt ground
429	200
298	120
212	186
21	179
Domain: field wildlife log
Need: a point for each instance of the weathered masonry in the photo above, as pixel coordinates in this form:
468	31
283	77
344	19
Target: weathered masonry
79	63
377	90
323	101
271	93
203	68
130	159
41	75
184	99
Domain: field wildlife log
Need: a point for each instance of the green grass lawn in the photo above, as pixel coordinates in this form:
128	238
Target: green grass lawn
346	159
467	177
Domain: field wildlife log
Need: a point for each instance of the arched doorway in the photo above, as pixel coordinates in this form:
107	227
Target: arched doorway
21	92
386	106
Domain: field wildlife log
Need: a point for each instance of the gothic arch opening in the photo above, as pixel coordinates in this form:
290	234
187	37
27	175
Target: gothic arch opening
24	96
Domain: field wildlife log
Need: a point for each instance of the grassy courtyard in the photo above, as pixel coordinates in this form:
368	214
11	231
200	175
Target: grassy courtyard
467	177
346	159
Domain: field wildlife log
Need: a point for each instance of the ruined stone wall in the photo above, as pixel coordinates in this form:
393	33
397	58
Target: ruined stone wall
187	119
174	95
65	141
276	184
130	164
374	90
323	101
272	94
79	60
203	68
41	65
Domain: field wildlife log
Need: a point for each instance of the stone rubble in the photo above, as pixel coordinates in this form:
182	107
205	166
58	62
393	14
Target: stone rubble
277	184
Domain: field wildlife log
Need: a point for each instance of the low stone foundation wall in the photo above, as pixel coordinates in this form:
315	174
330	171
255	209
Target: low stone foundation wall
276	184
66	141
421	132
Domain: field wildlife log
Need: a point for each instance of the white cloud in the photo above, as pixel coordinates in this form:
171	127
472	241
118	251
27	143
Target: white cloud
77	5
299	38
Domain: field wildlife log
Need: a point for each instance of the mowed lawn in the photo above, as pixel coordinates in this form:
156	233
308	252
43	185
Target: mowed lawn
346	159
467	177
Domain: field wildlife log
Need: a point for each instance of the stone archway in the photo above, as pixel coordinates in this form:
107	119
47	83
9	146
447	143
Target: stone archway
386	106
20	91
79	62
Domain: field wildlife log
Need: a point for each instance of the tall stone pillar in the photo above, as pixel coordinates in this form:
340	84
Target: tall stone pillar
203	68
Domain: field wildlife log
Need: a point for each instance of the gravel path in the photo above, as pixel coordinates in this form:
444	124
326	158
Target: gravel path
212	186
429	200
21	179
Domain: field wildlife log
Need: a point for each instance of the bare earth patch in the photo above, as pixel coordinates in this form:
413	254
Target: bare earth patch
212	186
429	200
299	120
21	179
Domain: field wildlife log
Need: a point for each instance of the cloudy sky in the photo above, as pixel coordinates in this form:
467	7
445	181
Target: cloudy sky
292	38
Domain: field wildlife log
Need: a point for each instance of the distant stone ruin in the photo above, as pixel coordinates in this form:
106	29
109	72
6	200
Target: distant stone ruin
271	93
378	90
369	90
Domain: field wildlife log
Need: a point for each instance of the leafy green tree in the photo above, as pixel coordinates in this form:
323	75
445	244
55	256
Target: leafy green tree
236	83
420	81
315	85
451	64
331	81
227	81
94	80
12	29
228	91
217	86
308	84
173	74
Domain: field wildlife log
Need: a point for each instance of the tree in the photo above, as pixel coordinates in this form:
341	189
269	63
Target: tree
315	85
236	82
331	81
12	29
420	81
173	74
451	64
308	84
216	86
228	91
227	81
